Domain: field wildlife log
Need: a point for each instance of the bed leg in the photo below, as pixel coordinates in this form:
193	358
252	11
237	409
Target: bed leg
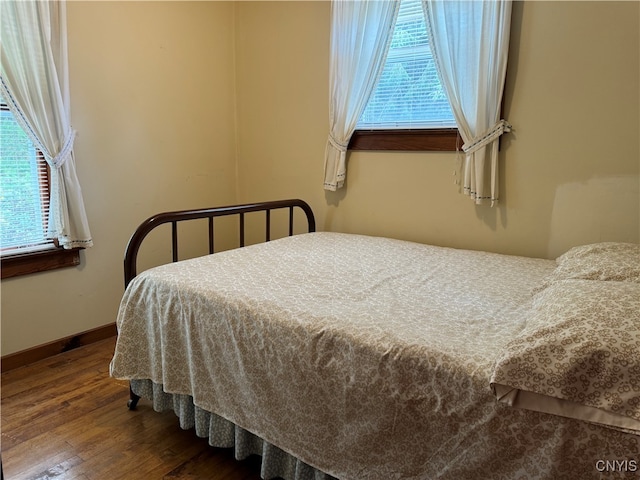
133	400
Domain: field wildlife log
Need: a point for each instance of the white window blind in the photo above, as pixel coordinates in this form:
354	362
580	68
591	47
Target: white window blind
24	189
409	93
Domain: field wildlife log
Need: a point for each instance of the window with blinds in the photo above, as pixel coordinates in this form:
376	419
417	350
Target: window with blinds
409	94
24	189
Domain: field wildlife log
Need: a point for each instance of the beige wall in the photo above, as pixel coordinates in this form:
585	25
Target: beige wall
251	124
569	172
152	88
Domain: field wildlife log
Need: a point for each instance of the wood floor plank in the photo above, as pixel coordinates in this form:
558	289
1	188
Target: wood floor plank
50	412
64	418
59	470
39	373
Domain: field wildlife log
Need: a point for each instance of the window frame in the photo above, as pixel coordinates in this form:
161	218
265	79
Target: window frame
17	264
50	256
409	140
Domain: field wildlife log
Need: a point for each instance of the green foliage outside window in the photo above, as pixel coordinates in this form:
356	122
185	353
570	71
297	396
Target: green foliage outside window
22	210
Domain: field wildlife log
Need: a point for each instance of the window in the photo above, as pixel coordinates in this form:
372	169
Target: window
25	188
409	109
24	204
409	93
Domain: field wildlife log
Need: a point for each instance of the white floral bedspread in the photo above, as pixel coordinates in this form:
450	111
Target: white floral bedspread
367	358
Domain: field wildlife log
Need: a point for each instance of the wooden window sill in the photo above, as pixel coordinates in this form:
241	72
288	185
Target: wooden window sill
430	140
38	261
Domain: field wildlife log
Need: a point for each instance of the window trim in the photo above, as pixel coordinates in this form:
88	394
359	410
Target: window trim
17	264
424	140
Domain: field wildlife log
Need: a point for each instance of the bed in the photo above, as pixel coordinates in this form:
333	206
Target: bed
355	357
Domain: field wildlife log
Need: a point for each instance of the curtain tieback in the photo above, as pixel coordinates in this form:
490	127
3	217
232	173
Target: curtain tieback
338	145
487	137
62	156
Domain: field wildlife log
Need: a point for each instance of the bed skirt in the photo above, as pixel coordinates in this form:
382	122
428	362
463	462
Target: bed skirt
222	433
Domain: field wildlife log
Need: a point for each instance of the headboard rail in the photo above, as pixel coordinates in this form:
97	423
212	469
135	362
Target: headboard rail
131	253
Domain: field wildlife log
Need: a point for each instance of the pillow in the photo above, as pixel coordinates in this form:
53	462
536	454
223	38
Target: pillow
599	261
580	345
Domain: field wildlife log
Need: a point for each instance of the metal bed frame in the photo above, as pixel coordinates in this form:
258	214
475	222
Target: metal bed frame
131	253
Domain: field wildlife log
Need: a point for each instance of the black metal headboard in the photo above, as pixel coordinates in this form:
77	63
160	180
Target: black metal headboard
131	254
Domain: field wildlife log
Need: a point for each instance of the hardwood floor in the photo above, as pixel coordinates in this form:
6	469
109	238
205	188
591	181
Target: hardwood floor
65	418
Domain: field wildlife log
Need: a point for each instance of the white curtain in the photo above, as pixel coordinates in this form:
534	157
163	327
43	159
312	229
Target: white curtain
360	35
35	85
470	42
